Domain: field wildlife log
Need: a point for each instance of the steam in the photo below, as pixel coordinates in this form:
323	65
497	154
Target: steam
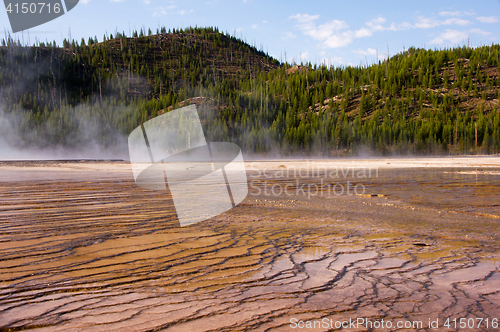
98	129
81	132
94	129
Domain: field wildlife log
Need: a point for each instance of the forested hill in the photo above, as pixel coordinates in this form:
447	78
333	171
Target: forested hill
96	92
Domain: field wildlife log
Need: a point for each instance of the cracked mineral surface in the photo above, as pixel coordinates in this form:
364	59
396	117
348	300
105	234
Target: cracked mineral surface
83	248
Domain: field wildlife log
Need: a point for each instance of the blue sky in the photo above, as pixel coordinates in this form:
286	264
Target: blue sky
331	32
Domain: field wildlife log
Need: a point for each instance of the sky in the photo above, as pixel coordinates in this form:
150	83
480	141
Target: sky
336	33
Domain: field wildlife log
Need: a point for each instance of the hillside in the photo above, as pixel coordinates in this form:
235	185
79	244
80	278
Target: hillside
418	102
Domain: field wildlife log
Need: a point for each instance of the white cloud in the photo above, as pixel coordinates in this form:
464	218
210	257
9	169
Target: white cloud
405	25
84	1
445	13
368	51
426	23
457	21
254	26
480	32
264	21
304	56
363	32
147	2
376	23
487	19
184	12
338	40
331	34
456	13
289	34
423	22
165	9
169	10
324	31
449	35
394	28
304	18
336	33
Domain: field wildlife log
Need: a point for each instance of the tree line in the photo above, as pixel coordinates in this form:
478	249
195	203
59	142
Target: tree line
419	101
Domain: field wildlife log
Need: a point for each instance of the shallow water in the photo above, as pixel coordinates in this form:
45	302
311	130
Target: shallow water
92	251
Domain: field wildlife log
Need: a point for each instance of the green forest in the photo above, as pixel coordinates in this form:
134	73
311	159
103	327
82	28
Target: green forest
419	102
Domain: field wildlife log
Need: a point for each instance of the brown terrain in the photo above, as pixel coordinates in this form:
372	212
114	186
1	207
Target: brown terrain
84	249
